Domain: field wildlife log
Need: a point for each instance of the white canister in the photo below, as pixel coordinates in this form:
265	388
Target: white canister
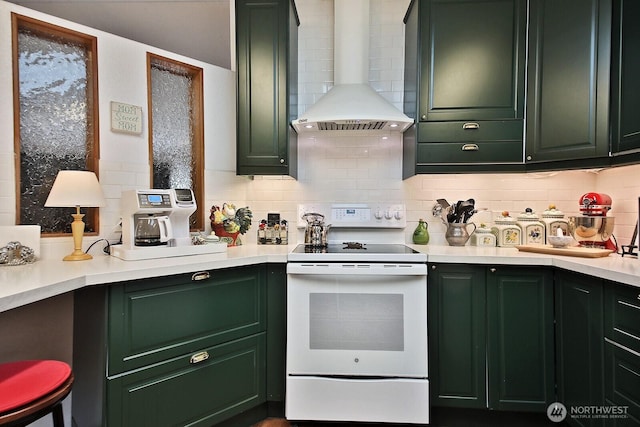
553	220
533	230
483	237
507	231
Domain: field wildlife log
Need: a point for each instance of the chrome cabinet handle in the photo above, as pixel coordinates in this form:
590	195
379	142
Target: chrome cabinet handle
470	147
201	275
493	270
433	267
281	161
199	357
471	126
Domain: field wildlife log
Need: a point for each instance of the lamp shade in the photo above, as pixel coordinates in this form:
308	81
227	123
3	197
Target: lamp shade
75	188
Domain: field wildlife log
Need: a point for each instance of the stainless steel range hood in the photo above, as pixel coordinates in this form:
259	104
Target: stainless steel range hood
351	104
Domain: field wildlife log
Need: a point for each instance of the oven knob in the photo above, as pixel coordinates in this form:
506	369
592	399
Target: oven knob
378	214
388	215
397	215
356	360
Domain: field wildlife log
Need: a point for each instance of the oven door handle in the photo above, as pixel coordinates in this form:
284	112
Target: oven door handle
359	269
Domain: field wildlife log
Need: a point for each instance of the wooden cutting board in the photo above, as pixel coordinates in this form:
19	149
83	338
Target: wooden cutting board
567	251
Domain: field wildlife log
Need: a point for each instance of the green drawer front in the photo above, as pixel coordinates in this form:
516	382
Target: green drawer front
622	384
154	319
622	315
471	131
178	392
470	153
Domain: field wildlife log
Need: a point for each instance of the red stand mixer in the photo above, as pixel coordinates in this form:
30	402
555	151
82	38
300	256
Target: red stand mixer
594	229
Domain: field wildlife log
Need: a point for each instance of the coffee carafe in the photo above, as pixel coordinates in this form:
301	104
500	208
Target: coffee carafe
315	233
152	230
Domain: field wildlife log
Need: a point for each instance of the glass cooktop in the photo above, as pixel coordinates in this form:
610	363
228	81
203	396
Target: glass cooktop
353	251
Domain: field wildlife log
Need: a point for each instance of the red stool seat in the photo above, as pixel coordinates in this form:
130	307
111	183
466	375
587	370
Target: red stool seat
32	388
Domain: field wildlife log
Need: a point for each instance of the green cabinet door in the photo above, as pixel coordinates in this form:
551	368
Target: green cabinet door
187	349
622	350
267	67
625	85
491	337
191	389
472	59
579	343
464	83
568	82
520	336
276	330
153	319
457	335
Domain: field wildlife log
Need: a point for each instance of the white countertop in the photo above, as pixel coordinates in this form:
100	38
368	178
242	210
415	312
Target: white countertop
22	285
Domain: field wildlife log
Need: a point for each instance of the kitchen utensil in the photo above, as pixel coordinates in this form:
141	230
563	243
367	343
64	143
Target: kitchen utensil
153	230
316	231
592	231
559	241
457	233
595	204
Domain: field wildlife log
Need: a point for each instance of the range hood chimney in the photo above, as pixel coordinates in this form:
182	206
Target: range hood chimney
351	104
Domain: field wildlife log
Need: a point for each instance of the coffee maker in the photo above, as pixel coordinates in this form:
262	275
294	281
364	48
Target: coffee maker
155	224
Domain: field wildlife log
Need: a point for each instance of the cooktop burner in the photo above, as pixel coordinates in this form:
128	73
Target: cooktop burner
353	245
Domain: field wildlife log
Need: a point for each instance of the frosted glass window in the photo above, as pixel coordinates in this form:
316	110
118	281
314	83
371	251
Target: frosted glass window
55	120
359	321
176	123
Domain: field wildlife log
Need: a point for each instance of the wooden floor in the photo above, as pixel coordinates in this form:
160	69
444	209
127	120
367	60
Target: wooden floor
441	417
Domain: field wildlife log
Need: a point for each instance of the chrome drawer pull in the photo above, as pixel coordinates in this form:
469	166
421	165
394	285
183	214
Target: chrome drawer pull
199	357
201	275
471	125
470	147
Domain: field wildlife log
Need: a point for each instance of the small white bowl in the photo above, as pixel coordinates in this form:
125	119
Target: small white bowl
560	241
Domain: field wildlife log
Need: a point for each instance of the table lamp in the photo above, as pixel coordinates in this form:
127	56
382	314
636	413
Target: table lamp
76	188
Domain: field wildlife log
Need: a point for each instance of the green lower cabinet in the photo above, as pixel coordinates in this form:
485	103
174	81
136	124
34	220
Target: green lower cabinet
622	351
183	391
491	337
457	336
520	337
579	343
187	349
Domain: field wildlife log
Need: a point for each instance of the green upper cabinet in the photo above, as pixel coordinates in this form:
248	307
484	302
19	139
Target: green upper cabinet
267	66
464	83
568	82
625	85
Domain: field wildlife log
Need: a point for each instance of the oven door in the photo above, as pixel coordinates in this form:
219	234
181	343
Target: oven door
357	320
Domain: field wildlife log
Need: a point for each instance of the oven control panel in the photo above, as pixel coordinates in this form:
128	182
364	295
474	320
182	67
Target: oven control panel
357	215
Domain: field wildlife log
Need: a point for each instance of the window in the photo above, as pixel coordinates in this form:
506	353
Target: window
55	117
176	142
